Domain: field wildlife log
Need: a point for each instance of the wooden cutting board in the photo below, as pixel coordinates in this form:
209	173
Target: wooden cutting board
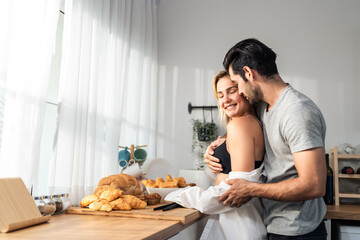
184	215
17	208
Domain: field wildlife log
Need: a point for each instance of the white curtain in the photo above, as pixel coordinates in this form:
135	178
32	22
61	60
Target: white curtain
107	92
27	38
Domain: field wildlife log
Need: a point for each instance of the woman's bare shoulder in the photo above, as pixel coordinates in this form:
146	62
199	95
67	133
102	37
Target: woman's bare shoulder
246	124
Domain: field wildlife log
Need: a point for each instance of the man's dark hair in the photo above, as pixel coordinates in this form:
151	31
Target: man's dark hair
254	54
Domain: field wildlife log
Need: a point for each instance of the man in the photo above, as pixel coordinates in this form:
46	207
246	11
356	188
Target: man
294	134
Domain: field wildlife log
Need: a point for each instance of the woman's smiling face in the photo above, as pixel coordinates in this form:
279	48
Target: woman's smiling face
230	101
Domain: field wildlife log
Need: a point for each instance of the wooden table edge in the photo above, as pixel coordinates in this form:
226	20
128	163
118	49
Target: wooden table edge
174	229
343	212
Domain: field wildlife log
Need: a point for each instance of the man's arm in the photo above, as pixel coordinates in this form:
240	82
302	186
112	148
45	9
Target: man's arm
310	183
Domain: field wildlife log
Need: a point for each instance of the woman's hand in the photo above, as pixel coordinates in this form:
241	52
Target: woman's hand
209	159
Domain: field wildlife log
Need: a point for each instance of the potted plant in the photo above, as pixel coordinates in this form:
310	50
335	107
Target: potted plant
203	134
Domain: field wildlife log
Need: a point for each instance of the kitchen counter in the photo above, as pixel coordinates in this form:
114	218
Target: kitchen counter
343	212
73	226
69	226
347	215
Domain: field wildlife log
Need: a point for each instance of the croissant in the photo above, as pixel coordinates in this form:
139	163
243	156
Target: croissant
120	204
86	201
111	194
134	202
101	190
101	204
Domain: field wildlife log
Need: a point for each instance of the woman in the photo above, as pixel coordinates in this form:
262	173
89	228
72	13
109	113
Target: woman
245	141
243	148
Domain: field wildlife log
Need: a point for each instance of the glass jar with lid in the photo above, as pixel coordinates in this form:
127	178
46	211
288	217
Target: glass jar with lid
58	203
66	201
50	205
39	201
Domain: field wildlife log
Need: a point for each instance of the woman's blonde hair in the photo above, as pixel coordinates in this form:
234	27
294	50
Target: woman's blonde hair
222	115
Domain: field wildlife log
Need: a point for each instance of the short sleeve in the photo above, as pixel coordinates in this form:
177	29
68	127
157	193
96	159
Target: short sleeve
303	127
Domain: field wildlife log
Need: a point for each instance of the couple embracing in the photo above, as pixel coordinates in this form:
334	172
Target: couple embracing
270	166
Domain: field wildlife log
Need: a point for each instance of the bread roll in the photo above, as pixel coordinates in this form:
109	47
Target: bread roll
86	201
127	183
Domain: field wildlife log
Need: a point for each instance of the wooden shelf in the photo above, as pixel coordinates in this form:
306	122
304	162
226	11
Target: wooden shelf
335	157
355	176
349	195
348	156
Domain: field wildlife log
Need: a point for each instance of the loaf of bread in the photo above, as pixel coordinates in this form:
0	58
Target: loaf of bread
134	202
124	182
120	204
86	201
101	205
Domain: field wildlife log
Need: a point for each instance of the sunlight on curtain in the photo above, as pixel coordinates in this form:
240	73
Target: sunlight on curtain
27	38
107	90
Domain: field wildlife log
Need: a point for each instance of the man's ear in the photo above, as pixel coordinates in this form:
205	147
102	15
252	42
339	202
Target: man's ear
249	73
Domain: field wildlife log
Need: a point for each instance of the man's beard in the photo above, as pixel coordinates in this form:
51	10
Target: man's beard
255	95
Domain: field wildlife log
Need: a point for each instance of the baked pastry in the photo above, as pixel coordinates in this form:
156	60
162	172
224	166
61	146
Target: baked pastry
111	194
134	202
152	184
101	205
120	204
159	180
150	199
86	201
181	182
153	198
127	183
171	184
168	178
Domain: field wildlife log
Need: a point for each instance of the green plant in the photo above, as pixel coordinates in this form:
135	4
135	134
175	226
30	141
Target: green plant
203	134
205	131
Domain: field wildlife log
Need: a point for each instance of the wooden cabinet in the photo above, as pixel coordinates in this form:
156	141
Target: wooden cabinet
335	163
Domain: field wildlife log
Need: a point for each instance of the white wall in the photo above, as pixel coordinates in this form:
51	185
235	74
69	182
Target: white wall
317	43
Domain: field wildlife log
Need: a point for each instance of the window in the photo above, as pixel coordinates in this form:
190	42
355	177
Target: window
48	133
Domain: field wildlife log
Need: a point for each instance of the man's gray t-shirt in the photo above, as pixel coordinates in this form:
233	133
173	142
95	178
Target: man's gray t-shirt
292	125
